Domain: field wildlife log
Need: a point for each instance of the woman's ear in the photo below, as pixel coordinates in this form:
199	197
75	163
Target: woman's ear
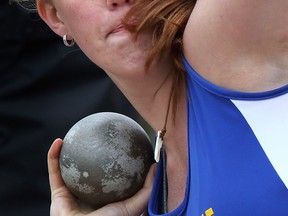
48	13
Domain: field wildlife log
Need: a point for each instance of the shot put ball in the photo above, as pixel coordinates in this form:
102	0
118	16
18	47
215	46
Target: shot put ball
105	158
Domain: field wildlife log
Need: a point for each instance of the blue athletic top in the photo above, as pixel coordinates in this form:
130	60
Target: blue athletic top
238	152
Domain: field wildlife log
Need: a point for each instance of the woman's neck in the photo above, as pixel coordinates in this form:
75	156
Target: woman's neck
148	91
150	96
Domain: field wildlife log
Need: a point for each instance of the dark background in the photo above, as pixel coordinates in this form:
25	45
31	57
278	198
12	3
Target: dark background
45	88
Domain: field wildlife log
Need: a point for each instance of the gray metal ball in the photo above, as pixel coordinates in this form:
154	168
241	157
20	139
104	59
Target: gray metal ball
105	158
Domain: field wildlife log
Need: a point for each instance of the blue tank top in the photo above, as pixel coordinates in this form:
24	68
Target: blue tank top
238	152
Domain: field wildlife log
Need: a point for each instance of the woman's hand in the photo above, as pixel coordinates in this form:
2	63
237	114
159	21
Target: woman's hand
64	203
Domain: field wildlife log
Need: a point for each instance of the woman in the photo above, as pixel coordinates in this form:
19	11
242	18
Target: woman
232	94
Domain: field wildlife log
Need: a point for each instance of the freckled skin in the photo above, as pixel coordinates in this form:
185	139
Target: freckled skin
105	158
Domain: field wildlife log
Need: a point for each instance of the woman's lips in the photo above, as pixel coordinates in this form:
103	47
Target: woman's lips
117	29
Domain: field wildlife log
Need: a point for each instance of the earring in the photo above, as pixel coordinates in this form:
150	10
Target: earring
68	43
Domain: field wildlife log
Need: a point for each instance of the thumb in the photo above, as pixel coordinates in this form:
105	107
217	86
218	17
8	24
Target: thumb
55	180
62	201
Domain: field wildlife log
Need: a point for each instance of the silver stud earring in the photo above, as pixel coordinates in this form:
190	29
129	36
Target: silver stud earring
68	43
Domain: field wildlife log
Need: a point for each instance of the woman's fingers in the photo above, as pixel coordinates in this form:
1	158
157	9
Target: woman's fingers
135	205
